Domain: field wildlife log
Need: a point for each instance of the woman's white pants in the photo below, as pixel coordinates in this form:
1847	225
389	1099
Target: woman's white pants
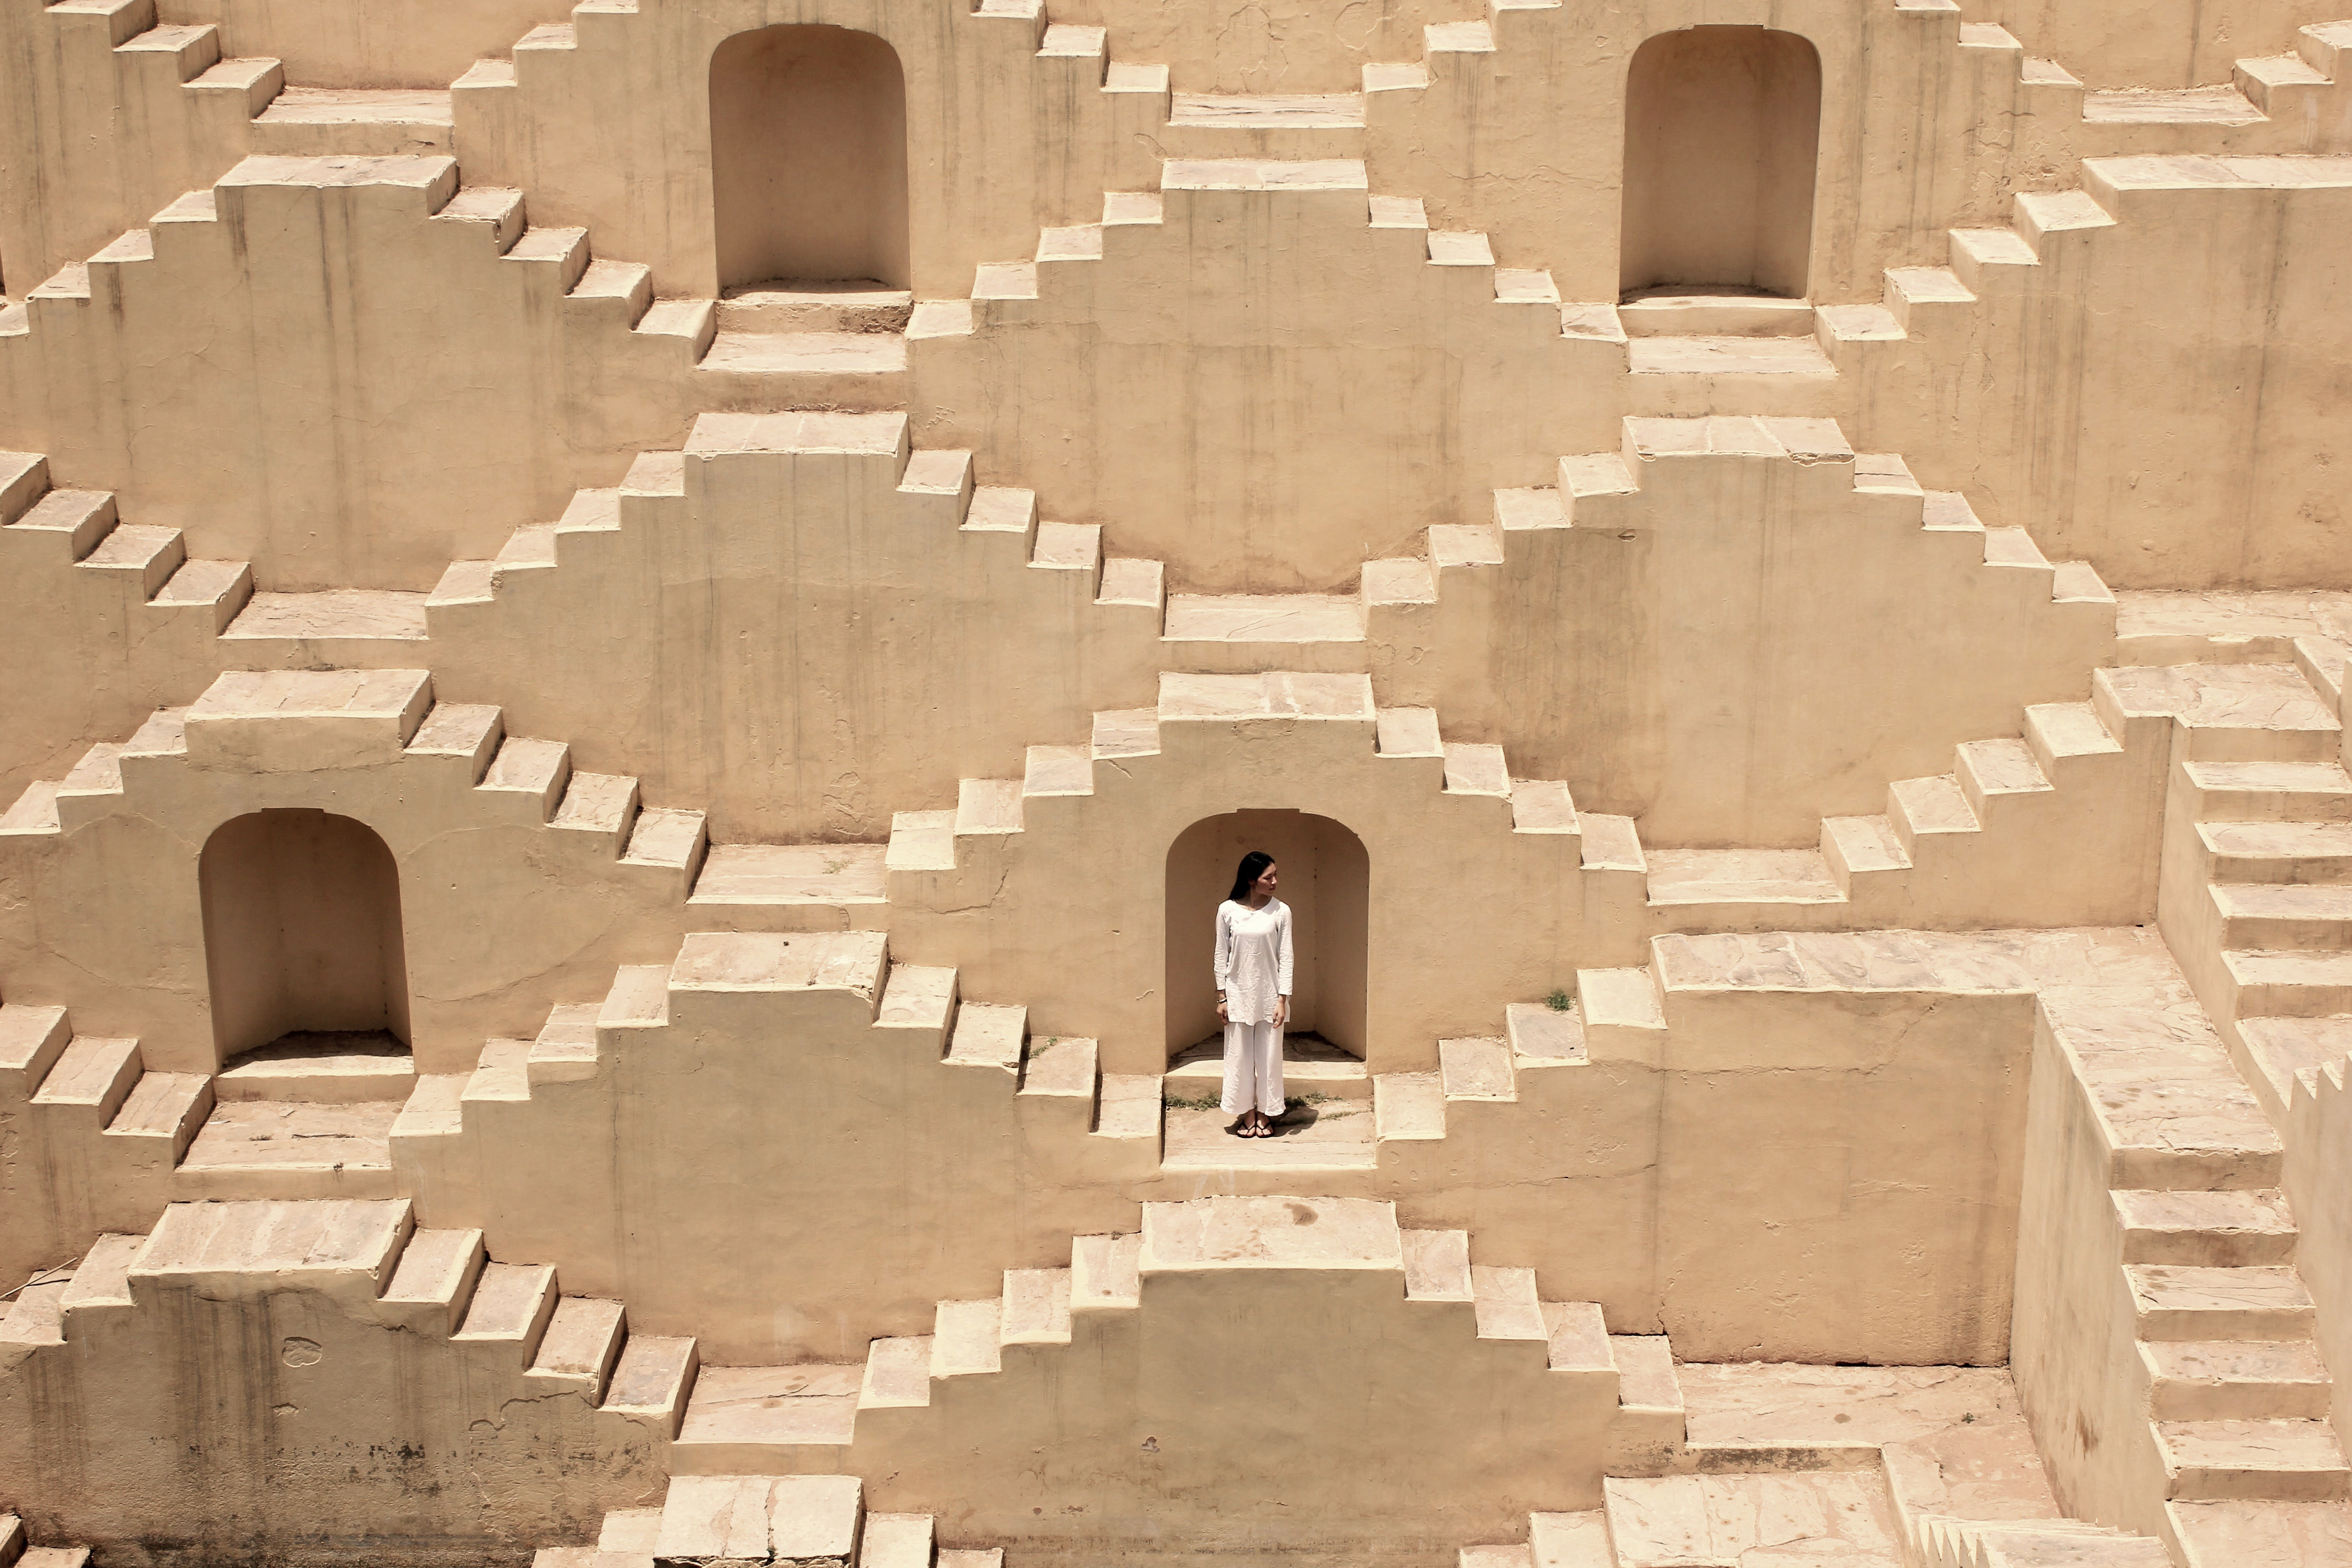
1252	1068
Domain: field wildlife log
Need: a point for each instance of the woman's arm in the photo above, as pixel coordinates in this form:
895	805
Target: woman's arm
1282	977
1223	960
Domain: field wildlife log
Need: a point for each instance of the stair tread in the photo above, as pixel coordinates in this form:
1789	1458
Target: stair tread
262	1134
1741	875
803	1403
791	873
2169	106
1727	356
359	106
807	353
1245	111
1264	617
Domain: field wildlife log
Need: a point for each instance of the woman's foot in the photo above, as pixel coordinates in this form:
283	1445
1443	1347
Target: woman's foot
1243	1127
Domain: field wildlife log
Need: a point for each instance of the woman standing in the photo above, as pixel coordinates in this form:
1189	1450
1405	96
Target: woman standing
1253	995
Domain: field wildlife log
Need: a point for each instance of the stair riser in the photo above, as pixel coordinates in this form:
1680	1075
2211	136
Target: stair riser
2173	1325
2208	1249
2287	934
2218	1484
2280	870
2271	806
2282	1001
2176	1401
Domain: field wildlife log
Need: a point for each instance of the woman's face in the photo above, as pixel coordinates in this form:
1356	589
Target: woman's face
1263	887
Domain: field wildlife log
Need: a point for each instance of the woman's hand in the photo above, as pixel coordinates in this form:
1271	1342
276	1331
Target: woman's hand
1221	1011
1281	1011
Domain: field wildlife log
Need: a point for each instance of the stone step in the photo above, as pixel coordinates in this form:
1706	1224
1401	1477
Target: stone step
2319	792
341	121
271	1149
2233	713
747	1419
2285	1050
2206	1230
2289	983
582	1345
1741	356
793	887
2283	852
1256	618
760	1519
792	306
1689	315
2283	915
1681	877
2170	106
2282	1461
337	626
2236	1380
320	1068
2183	1302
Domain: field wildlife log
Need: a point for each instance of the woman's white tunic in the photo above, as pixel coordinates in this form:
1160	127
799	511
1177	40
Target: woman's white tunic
1252	958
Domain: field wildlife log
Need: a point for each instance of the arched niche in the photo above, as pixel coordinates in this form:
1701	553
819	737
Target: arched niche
1326	877
808	158
301	912
1722	132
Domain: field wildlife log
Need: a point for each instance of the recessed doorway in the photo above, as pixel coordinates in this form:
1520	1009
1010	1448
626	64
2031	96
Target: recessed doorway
1325	879
1722	134
302	933
808	159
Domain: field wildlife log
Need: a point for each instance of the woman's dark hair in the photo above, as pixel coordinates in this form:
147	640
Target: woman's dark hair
1253	865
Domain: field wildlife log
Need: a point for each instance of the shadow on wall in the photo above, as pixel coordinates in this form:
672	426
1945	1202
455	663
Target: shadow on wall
1325	878
301	930
808	158
1722	128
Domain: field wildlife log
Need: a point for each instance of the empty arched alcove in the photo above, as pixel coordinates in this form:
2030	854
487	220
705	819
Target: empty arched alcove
301	931
1325	876
808	158
1722	128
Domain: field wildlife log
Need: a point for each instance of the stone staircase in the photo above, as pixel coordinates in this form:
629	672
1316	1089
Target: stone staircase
760	368
17	1552
756	1518
2287	102
513	1327
1055	1076
318	1128
1049	1340
1876	1468
2258	844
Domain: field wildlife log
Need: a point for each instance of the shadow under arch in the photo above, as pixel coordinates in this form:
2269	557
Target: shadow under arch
808	158
1722	140
1326	878
302	930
